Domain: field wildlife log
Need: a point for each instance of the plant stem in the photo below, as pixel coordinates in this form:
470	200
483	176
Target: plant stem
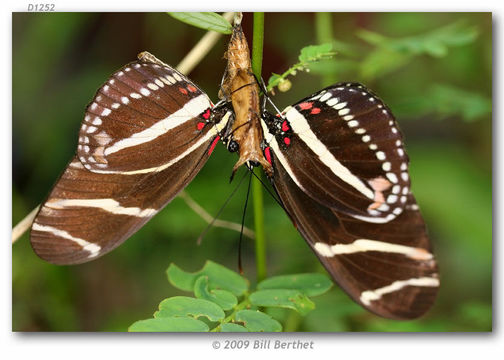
231	317
257	44
323	29
292	322
257	192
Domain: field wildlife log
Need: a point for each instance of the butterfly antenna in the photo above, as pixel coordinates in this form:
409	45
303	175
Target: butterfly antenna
240	268
262	86
272	194
203	233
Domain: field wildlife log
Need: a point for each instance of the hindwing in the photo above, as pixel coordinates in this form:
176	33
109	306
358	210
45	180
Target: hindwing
387	268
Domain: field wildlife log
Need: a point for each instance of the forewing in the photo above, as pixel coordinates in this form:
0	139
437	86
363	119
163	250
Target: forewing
144	108
342	147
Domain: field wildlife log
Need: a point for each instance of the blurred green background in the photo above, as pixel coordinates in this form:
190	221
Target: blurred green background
434	70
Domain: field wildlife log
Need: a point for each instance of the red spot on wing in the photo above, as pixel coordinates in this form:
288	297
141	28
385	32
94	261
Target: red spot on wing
201	125
285	127
183	91
212	147
315	111
206	114
287	141
267	153
191	88
305	105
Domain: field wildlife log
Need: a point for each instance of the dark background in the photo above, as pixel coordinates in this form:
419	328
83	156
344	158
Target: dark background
437	81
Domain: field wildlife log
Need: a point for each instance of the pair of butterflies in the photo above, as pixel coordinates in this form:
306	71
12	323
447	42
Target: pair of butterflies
336	160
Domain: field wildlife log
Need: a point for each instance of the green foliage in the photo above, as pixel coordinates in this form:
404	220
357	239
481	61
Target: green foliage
309	284
169	324
204	20
392	53
434	43
225	299
232	327
217	308
308	56
187	306
388	54
255	321
284	298
314	53
443	101
219	277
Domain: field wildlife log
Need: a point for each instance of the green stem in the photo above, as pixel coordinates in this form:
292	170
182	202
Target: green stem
257	192
243	305
257	44
292	322
323	29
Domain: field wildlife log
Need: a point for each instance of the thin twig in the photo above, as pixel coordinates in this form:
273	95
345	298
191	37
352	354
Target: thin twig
201	49
24	225
208	218
187	64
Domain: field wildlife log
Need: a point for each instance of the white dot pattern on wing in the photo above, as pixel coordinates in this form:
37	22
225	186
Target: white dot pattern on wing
352	122
388	202
97	112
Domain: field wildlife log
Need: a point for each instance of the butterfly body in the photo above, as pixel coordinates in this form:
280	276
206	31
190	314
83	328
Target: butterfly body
240	88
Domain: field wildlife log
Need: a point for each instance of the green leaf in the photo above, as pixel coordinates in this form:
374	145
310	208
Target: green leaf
435	48
390	54
343	48
219	277
223	298
308	56
256	321
187	306
180	278
315	52
449	100
456	34
371	37
381	62
284	298
309	284
204	20
169	324
230	327
446	101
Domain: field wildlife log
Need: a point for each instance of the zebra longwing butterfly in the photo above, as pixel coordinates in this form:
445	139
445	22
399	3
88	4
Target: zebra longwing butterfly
335	159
